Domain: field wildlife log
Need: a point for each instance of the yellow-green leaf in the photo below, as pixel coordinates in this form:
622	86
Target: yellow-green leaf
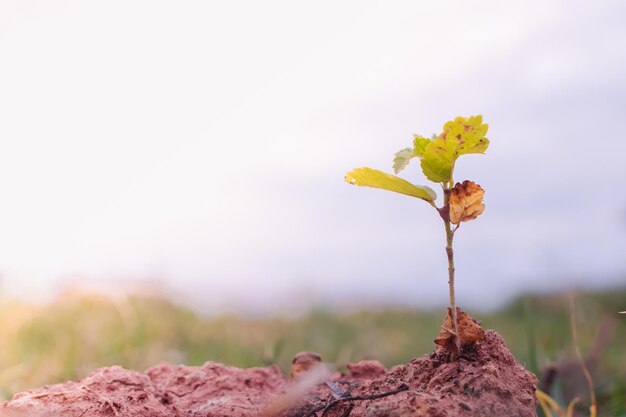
437	163
467	135
369	177
419	145
459	137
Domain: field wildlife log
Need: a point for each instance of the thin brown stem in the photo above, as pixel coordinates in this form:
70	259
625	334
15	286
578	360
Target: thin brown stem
451	270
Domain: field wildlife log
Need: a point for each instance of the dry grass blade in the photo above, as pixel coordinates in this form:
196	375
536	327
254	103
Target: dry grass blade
548	405
592	393
570	407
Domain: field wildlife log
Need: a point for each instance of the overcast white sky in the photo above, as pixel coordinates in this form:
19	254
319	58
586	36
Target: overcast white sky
204	144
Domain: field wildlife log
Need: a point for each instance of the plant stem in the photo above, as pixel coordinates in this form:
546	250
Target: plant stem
450	254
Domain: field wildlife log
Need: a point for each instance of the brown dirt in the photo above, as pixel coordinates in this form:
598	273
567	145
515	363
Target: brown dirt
485	381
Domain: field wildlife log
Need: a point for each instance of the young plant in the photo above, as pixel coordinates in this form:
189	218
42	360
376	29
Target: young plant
462	202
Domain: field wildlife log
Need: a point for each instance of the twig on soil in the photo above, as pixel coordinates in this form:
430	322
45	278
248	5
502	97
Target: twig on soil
124	382
338	392
112	406
326	407
348	410
45	394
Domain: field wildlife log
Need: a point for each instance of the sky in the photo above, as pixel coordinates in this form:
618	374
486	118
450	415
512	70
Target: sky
202	146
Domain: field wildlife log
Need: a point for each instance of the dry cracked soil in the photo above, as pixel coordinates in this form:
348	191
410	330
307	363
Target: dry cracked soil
485	380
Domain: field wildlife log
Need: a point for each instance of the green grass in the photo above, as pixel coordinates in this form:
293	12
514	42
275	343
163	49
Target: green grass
74	335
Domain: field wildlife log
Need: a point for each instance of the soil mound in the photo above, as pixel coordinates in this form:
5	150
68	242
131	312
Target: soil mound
485	381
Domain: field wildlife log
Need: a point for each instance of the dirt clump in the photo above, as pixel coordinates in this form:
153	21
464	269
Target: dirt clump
365	370
164	390
485	380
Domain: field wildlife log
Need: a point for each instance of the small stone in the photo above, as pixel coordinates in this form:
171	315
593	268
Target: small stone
303	362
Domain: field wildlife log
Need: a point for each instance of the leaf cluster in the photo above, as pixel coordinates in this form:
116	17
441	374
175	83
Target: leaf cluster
437	156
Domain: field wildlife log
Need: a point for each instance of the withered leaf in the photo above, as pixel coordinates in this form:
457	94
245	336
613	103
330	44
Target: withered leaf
466	202
468	330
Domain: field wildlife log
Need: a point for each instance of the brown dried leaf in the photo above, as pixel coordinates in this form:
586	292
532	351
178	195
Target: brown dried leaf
466	202
468	329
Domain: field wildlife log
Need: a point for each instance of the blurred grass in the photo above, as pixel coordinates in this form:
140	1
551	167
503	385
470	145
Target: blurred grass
78	333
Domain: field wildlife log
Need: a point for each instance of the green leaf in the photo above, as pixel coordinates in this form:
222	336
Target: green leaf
401	159
437	163
460	136
369	177
419	145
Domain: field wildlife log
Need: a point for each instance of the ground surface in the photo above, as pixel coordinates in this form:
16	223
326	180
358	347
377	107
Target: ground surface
485	381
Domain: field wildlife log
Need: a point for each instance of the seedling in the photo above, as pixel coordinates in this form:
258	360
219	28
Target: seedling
462	202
